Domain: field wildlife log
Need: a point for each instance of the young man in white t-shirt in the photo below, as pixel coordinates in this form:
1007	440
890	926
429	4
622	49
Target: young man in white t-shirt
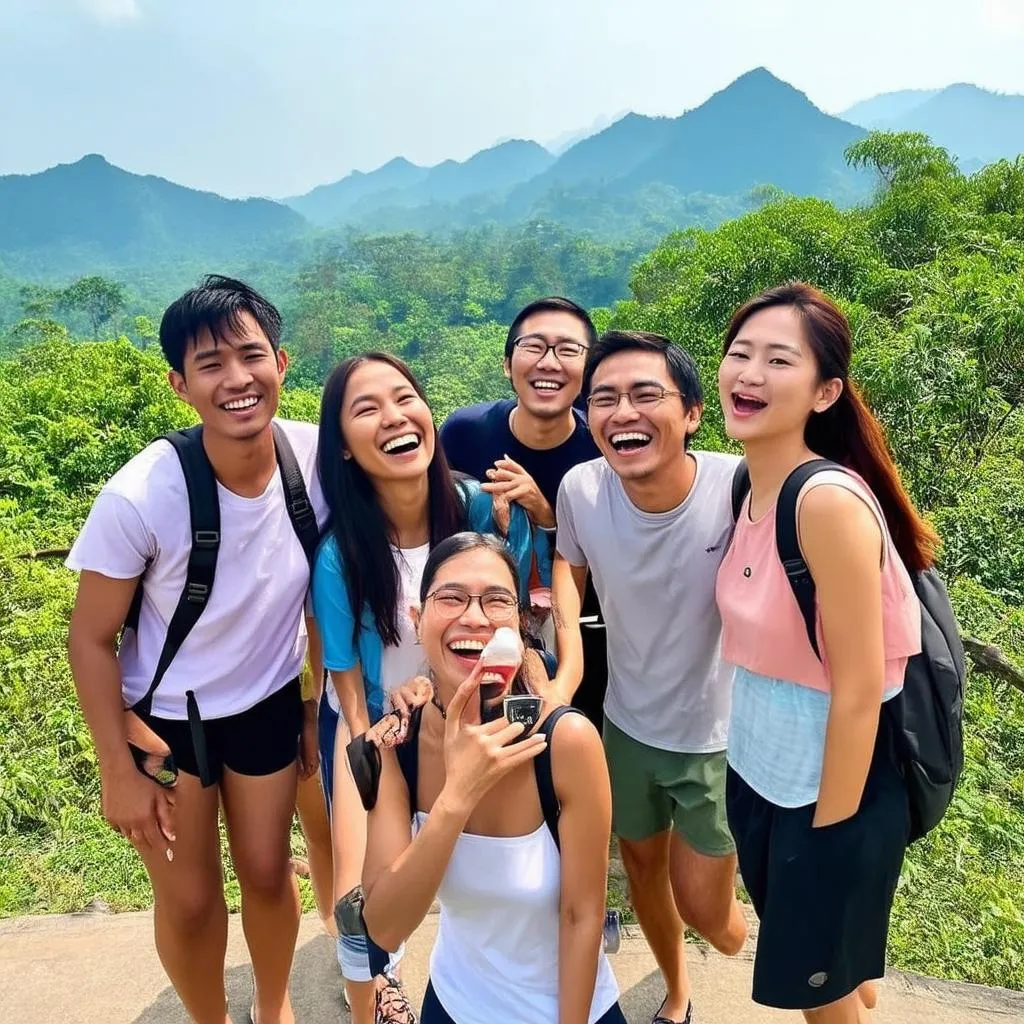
240	663
650	521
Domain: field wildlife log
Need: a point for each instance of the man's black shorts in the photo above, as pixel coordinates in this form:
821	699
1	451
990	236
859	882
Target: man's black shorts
260	741
823	895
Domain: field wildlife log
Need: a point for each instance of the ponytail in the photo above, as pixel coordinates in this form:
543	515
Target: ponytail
848	432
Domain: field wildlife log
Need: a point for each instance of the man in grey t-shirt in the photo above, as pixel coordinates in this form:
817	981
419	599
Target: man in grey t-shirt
651	521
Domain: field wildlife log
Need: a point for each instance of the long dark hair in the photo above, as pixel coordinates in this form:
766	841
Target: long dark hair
848	432
458	544
357	521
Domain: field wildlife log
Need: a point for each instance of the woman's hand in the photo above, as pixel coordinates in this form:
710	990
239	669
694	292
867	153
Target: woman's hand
411	695
476	756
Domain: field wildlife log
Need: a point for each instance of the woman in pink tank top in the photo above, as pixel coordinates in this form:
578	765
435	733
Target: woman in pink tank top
815	801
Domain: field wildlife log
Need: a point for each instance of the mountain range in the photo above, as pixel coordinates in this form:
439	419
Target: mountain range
91	216
976	126
636	174
757	131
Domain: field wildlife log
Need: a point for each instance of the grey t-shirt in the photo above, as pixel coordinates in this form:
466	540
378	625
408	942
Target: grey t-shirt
654	573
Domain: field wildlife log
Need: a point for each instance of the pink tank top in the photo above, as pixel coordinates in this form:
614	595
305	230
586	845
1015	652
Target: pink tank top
762	629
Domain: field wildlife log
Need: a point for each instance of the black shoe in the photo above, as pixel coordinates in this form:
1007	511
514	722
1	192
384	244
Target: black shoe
659	1019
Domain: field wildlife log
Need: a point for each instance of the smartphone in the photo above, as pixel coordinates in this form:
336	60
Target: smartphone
523	708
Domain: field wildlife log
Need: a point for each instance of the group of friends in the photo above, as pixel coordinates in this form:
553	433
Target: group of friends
682	706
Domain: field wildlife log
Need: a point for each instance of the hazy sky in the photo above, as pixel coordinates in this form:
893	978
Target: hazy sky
271	97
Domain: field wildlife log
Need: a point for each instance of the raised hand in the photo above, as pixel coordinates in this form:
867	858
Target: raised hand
412	694
510	481
476	756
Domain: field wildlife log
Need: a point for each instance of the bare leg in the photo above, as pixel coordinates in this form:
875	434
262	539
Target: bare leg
647	869
259	813
868	992
704	889
190	919
848	1010
317	830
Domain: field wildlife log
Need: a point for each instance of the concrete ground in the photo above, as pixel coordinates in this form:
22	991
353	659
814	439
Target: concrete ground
90	968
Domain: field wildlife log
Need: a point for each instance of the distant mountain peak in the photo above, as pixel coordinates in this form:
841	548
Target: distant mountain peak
93	214
398	163
760	84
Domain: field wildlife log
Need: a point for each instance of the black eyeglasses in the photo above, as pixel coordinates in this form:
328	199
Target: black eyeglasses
451	602
643	396
537	348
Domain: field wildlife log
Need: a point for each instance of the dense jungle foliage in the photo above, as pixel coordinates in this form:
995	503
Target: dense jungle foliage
931	274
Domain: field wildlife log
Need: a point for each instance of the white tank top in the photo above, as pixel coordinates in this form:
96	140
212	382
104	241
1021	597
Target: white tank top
496	954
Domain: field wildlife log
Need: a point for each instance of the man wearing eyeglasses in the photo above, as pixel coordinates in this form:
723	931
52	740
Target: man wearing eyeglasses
522	447
650	522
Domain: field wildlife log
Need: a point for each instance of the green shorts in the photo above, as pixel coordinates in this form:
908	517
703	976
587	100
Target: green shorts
654	789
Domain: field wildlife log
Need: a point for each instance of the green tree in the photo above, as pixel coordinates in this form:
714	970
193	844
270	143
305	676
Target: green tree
146	331
97	298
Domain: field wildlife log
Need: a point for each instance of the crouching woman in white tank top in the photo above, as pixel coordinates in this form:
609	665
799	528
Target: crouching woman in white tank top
521	923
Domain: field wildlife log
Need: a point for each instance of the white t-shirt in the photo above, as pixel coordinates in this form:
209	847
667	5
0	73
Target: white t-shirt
251	638
399	664
654	574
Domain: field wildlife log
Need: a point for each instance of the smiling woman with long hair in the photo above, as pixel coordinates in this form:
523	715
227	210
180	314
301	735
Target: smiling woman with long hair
392	498
511	822
815	799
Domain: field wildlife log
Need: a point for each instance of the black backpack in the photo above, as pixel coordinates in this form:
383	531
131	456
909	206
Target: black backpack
927	715
409	761
204	512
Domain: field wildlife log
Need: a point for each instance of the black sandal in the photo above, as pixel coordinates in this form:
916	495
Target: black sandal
687	1019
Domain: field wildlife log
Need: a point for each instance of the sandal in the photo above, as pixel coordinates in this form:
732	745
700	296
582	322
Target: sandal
392	1004
659	1019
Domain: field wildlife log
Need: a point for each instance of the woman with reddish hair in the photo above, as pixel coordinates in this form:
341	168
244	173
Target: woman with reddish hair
815	800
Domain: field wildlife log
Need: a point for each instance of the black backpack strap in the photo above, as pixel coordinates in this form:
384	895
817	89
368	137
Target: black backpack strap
300	511
204	513
787	543
408	754
740	488
542	768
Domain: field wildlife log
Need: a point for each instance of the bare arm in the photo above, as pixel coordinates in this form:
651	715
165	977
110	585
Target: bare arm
131	802
352	698
842	545
309	744
96	620
316	658
401	876
584	830
567	586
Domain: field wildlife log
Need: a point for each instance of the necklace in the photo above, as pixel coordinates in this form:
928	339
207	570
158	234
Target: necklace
440	707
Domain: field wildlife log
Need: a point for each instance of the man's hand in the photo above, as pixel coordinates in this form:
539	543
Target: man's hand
140	809
513	483
309	741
